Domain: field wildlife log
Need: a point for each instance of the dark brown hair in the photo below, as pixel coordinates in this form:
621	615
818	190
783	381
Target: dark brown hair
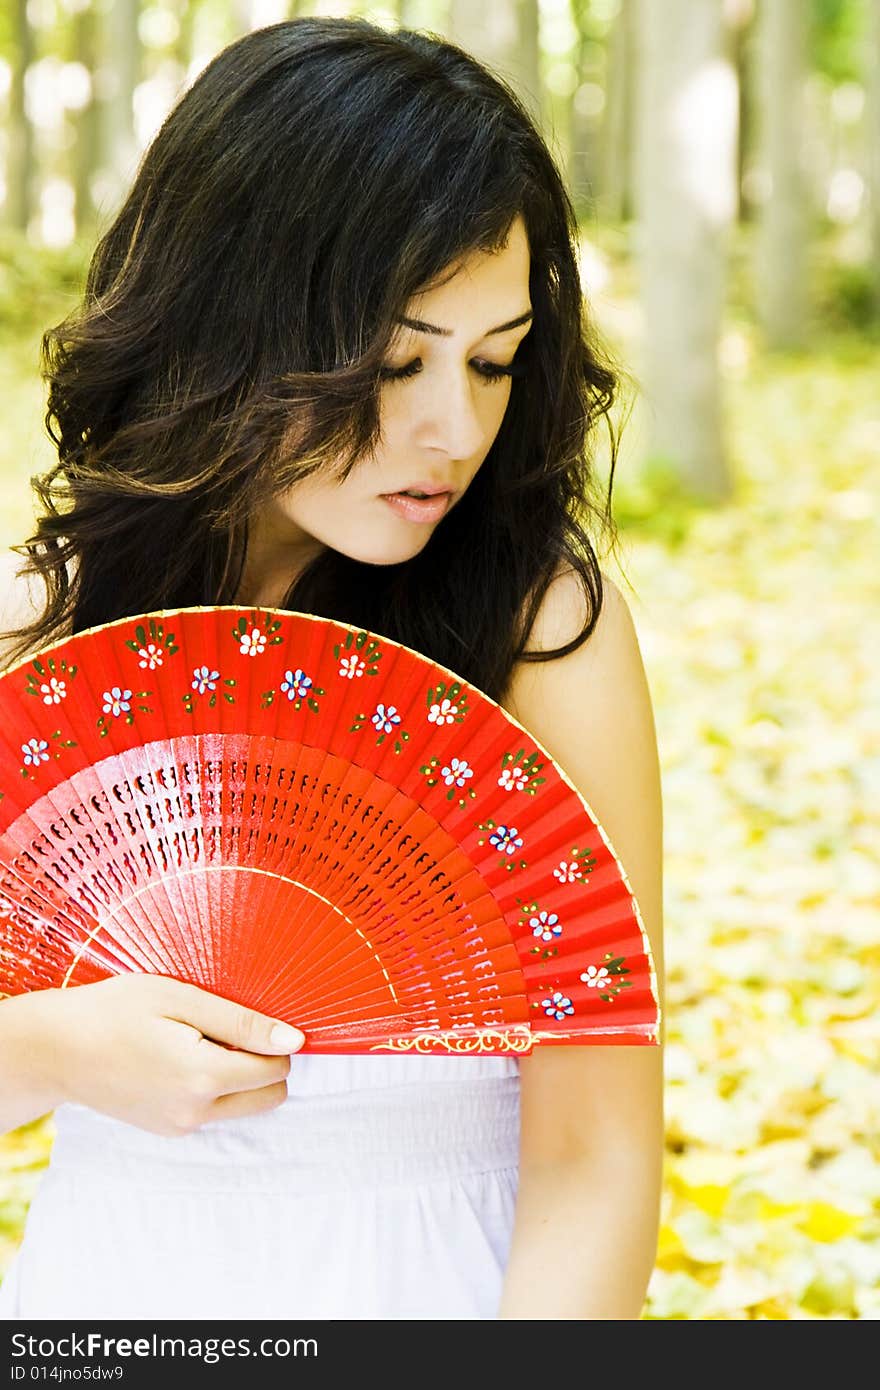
315	176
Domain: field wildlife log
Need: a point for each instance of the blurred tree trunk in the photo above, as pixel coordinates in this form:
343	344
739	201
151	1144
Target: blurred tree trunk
525	60
685	157
615	198
20	191
87	134
872	83
241	13
581	145
783	216
120	72
739	15
487	31
505	36
183	44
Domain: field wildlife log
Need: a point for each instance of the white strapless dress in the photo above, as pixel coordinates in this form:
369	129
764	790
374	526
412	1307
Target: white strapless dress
384	1187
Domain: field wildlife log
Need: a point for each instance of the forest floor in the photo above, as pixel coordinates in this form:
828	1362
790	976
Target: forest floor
759	632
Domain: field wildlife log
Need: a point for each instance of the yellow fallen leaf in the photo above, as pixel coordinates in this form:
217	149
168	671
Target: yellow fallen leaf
741	1285
710	1197
825	1222
770	1210
773	1309
675	1295
705	1239
668	1243
832	1291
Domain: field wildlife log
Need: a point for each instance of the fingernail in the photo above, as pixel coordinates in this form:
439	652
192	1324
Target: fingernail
282	1035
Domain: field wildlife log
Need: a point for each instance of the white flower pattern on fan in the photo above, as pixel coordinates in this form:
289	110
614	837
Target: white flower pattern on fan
253	642
568	871
150	656
594	976
545	926
116	701
557	1006
512	779
458	772
204	679
54	692
506	838
296	684
385	718
351	666
442	713
35	751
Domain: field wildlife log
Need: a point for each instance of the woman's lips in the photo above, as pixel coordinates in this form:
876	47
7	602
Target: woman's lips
423	509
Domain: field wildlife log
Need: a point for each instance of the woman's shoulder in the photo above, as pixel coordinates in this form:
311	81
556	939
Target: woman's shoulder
583	677
566	608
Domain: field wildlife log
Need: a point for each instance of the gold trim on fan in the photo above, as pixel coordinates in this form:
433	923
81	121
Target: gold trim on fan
479	1042
513	1040
214	868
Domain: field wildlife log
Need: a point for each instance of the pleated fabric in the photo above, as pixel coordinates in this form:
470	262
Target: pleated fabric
383	1188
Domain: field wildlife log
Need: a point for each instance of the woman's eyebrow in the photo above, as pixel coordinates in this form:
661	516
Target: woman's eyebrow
421	327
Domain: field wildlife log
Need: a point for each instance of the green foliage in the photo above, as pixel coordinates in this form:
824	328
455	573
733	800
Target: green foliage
655	502
838	38
37	285
849	298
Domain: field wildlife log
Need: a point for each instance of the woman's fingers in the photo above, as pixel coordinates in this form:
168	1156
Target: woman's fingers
240	1071
249	1102
227	1022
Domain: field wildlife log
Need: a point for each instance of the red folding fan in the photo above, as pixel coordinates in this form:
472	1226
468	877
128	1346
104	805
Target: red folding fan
314	821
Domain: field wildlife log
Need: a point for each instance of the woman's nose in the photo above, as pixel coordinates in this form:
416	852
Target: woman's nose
449	418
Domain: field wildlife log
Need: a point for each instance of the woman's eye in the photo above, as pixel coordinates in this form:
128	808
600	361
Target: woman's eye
400	373
488	371
495	371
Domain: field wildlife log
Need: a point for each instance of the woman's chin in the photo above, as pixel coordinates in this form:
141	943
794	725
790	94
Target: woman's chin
391	554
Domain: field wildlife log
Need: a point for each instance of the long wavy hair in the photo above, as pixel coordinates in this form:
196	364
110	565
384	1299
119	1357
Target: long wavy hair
315	176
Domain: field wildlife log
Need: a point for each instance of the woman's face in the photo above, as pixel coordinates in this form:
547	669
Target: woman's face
442	403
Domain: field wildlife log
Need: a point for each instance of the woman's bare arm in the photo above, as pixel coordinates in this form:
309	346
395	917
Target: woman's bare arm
592	1129
27	1089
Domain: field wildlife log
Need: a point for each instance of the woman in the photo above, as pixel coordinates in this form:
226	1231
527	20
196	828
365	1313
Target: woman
345	274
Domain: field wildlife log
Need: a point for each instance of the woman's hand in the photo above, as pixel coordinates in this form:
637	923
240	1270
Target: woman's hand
158	1053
